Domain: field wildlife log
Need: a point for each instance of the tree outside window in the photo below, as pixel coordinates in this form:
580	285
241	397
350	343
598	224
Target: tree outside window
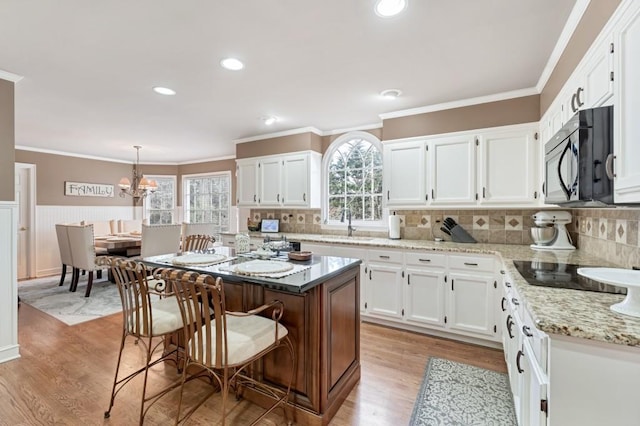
207	199
161	204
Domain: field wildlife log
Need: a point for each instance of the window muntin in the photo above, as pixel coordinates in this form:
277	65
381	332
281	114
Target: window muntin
161	204
207	199
353	179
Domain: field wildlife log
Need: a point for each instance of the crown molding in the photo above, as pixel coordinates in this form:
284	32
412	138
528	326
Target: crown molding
567	32
9	76
462	103
280	134
207	160
353	129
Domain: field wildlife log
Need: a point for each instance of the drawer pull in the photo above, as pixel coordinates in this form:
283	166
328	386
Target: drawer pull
509	325
424	260
502	304
515	301
507	284
527	331
520	355
470	264
383	256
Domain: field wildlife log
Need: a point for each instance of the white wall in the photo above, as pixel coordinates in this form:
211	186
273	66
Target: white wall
9	348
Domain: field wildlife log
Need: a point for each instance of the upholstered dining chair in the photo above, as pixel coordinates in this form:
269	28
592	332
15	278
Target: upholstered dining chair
160	239
65	251
147	314
83	255
225	344
134	225
102	227
196	242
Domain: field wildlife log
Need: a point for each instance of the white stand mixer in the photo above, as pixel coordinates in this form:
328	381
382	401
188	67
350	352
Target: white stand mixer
560	240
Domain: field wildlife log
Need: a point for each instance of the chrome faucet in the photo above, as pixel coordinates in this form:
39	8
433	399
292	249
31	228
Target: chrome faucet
350	228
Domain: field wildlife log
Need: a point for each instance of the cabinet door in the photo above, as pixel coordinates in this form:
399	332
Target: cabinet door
295	181
508	168
453	170
405	173
626	128
424	296
270	178
597	82
555	120
471	303
534	389
247	183
384	290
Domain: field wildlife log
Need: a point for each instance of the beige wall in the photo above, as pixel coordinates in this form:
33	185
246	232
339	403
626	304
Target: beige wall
492	114
7	141
210	167
328	140
280	145
595	17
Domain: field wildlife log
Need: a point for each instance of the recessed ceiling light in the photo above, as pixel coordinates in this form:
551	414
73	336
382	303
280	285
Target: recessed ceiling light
270	120
390	93
164	91
232	64
386	8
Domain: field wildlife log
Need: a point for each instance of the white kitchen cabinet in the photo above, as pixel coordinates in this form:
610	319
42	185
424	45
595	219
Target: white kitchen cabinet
270	178
247	182
384	286
288	180
424	301
405	173
453	170
627	109
508	166
533	397
596	80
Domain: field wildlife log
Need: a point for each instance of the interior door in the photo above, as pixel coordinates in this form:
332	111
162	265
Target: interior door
24	212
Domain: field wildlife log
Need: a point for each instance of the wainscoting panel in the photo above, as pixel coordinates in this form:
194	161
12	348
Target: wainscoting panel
46	251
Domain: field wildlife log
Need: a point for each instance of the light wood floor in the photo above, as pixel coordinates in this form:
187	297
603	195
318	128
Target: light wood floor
65	374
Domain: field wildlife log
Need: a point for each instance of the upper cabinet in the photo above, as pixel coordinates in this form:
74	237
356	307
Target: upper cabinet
495	167
627	108
288	180
507	170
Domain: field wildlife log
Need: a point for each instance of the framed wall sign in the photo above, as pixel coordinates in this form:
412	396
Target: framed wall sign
80	189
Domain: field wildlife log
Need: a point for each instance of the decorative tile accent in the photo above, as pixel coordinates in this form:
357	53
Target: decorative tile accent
270	215
603	229
425	221
317	219
403	220
621	231
588	226
284	217
513	223
481	222
300	218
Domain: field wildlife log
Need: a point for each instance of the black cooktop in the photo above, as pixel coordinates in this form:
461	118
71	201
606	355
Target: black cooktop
561	275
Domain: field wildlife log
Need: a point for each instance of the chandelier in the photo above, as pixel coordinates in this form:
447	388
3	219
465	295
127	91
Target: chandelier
140	187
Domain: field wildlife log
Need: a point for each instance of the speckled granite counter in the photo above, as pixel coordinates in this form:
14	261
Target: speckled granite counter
581	314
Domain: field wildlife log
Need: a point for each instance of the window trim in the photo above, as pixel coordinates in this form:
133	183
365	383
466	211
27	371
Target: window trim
174	218
326	158
185	203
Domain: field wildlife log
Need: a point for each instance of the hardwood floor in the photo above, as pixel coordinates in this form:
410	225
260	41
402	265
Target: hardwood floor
65	374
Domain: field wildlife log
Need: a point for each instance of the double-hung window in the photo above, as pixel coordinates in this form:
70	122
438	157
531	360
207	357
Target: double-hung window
161	205
207	199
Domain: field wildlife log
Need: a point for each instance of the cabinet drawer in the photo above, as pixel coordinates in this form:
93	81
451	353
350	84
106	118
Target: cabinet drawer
538	340
385	256
472	263
426	259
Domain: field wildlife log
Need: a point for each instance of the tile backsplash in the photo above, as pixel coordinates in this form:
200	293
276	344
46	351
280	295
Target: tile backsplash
611	234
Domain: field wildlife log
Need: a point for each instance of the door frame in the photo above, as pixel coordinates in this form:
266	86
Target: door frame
31	264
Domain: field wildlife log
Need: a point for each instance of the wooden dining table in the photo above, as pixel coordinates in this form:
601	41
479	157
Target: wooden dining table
127	245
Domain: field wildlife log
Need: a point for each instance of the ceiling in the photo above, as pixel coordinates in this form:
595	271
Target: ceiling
88	67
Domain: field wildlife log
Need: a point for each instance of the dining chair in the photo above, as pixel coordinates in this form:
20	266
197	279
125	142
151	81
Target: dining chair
102	227
65	252
225	344
147	314
197	242
160	239
130	226
83	255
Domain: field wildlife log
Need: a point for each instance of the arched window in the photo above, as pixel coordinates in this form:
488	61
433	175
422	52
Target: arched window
352	180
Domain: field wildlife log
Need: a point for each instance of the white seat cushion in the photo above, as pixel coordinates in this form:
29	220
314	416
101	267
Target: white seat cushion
246	337
166	316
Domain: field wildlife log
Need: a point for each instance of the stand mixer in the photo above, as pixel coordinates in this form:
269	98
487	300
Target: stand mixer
551	232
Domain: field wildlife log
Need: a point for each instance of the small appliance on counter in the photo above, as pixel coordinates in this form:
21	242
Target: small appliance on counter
458	233
270	225
394	227
550	232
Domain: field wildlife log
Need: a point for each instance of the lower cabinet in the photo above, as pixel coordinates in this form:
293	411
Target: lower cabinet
471	303
424	296
384	284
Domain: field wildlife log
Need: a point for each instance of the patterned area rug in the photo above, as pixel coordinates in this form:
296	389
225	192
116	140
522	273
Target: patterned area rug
459	394
71	308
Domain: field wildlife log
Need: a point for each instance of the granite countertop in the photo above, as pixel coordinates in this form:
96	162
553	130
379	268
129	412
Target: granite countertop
320	269
582	314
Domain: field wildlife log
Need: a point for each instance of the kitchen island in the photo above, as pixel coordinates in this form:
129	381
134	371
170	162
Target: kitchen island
321	312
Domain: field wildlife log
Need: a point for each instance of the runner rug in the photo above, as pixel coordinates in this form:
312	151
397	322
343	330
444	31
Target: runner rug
45	295
459	394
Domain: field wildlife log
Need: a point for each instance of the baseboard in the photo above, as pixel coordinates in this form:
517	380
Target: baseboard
51	271
9	353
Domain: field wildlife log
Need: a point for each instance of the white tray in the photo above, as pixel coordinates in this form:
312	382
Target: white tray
623	278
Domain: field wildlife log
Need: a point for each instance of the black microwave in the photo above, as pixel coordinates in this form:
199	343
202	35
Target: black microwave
578	160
